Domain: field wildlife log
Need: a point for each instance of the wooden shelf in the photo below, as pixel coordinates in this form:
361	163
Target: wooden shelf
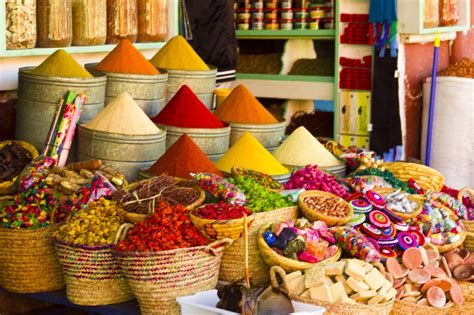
286	34
296	87
73	49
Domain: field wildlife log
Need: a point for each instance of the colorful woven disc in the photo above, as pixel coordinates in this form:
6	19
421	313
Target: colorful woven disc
420	238
375	199
406	240
387	253
393	217
379	219
415	186
387	242
358	219
389	232
371	230
373	242
360	205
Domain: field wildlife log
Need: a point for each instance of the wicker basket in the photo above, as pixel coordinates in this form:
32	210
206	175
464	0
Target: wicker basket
448	247
428	178
418	199
313	215
333	308
233	264
469	241
236	171
406	308
158	278
468	224
138	217
220	229
8	187
272	258
91	274
27	261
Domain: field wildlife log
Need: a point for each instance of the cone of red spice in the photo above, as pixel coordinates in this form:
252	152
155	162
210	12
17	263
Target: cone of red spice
182	158
187	111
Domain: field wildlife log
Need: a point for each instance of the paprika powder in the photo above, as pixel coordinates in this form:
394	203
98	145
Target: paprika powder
182	158
187	111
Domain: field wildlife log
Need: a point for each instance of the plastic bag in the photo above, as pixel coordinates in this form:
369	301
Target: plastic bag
219	188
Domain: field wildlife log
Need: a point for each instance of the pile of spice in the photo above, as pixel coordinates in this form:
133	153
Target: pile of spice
186	110
464	68
168	228
123	116
125	58
60	64
248	153
312	178
242	107
258	198
301	149
97	224
144	195
221	211
183	158
177	54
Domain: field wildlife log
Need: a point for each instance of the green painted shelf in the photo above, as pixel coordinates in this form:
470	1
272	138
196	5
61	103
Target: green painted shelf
284	77
73	49
285	34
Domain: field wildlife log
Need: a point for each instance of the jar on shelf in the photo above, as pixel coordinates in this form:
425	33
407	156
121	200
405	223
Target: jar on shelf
121	20
152	20
21	24
448	12
89	21
431	14
54	23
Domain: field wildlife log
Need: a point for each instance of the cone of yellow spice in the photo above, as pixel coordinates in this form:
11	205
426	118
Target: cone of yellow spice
248	153
177	54
60	64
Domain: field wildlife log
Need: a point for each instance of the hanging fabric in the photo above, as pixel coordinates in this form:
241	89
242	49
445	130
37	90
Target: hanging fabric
383	27
386	126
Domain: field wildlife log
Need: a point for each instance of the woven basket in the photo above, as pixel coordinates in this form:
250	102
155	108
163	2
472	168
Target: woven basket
158	278
8	187
220	229
334	308
27	261
448	247
233	263
91	274
272	258
418	199
468	224
469	241
313	215
428	178
138	217
406	308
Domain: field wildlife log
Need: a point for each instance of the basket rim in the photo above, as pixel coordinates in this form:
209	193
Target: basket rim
302	265
324	217
87	247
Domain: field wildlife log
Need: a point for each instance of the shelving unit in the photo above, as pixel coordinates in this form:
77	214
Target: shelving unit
173	22
411	18
286	34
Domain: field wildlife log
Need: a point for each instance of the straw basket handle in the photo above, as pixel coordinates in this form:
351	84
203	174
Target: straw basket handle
214	247
465	190
276	271
122	232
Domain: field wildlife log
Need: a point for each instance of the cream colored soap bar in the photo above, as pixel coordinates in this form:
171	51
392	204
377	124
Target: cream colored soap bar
364	295
322	293
342	279
374	279
348	301
338	292
296	285
306	294
328	281
384	289
357	286
334	268
293	275
314	277
390	295
355	270
376	299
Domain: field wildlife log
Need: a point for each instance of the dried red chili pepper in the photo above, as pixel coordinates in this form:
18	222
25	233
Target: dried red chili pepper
168	228
221	211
